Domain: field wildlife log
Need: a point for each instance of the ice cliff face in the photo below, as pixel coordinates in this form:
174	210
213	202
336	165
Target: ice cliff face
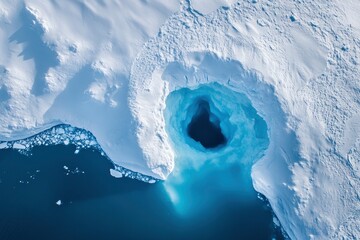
108	68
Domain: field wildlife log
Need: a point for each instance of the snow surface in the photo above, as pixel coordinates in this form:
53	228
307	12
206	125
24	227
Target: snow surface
108	67
210	6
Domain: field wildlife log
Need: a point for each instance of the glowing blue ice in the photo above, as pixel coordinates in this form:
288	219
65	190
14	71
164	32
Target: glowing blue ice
227	166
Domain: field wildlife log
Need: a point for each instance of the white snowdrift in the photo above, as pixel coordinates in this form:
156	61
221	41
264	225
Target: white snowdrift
69	63
108	67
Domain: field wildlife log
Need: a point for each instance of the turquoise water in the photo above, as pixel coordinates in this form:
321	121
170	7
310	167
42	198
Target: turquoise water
217	136
98	206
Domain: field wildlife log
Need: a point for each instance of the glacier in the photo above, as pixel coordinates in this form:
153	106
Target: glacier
108	70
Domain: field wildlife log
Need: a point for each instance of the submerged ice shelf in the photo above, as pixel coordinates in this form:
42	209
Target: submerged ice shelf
232	138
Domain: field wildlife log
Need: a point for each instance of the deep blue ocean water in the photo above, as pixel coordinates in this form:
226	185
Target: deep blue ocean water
96	205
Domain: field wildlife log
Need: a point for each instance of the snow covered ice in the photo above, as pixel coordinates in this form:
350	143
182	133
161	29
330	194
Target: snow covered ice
101	74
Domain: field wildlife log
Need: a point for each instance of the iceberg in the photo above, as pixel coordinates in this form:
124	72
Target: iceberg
278	79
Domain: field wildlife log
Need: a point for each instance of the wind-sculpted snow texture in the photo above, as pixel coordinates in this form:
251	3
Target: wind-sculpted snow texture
110	66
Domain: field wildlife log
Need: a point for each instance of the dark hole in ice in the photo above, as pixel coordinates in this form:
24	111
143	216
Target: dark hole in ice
205	130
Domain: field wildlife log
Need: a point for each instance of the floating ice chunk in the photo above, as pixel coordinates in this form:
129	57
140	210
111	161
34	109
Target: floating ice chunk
59	203
19	146
116	174
60	131
66	141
